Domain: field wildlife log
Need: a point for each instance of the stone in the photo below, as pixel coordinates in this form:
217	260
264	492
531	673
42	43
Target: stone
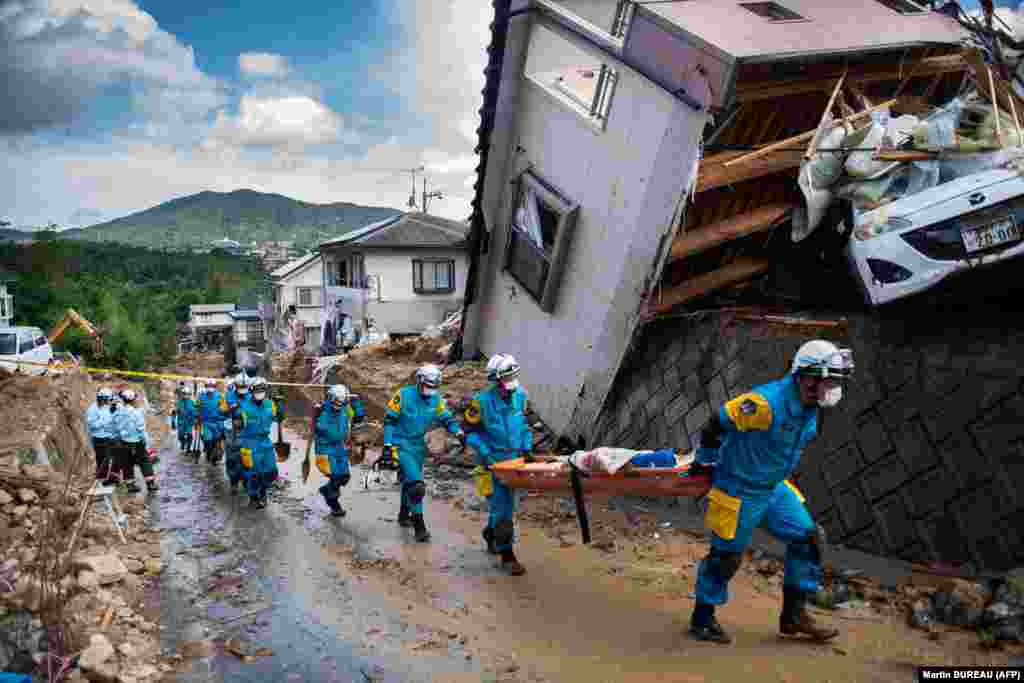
920	615
27	496
5	497
88	580
19	511
107	672
131	582
20	638
126	650
99	652
134	566
108	568
153	565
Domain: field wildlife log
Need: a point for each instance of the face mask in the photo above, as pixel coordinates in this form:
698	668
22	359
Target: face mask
832	397
511	385
259	396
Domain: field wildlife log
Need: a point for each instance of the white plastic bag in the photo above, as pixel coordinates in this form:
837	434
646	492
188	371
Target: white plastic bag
863	164
806	218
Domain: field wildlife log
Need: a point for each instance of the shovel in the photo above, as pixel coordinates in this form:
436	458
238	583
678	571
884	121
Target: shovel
283	448
307	464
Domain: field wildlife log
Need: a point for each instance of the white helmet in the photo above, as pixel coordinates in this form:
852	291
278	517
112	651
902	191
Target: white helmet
338	394
820	358
211	385
242	383
507	369
128	395
104	394
186	390
259	385
429	376
492	366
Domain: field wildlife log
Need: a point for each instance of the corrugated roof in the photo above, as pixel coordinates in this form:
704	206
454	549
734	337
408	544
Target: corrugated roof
244	315
292	266
211	308
407	230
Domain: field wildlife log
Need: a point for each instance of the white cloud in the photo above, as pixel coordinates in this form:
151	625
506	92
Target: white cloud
262	64
58	55
294	120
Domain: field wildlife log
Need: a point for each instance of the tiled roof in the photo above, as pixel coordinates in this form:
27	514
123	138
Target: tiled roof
291	266
407	230
211	308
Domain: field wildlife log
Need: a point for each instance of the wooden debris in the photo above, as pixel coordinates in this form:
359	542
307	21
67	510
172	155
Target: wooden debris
912	74
896	155
740	270
804	136
825	115
714	173
707	236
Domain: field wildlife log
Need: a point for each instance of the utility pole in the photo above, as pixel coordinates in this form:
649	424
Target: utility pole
433	195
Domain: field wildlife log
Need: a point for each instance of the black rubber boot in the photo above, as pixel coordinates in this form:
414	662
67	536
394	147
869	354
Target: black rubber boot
796	621
511	565
489	540
704	626
133	487
152	486
422	535
404	519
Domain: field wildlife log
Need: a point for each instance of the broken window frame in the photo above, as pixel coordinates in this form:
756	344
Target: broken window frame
763	10
599	106
895	5
623	18
552	262
419	270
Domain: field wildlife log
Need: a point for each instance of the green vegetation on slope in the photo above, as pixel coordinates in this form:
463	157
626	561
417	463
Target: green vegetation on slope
198	220
134	296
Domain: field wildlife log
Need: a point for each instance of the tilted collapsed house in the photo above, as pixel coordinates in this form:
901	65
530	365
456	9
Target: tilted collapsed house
633	220
595	196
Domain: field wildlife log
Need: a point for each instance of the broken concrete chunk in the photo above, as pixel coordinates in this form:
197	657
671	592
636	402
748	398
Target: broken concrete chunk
108	568
134	566
99	651
88	580
27	496
5	497
19	511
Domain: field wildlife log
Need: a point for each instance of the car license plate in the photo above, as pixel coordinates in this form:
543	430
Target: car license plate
992	235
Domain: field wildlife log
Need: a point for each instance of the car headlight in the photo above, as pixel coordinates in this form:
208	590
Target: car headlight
886	272
875	228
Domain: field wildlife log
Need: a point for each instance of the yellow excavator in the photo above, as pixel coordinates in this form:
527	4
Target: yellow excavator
71	317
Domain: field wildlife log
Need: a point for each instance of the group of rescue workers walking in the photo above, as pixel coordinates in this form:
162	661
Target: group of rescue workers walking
750	447
119	438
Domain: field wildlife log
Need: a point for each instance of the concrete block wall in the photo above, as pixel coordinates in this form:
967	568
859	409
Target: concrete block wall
923	459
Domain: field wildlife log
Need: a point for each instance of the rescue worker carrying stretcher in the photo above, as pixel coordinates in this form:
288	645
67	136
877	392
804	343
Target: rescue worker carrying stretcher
211	424
186	412
99	419
499	430
411	413
751	446
258	456
333	426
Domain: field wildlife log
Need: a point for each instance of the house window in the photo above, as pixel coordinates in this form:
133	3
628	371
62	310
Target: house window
538	239
623	17
308	296
347	271
572	75
903	6
433	276
772	11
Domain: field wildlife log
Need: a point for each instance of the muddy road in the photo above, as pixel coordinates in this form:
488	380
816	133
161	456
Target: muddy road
291	594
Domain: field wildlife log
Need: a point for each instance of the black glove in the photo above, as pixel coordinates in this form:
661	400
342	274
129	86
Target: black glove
461	436
699	470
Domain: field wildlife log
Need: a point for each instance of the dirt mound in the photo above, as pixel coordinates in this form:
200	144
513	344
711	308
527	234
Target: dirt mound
42	409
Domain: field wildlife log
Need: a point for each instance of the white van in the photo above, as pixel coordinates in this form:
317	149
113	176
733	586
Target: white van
24	344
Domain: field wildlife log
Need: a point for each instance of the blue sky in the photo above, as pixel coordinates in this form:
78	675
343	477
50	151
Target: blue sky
124	104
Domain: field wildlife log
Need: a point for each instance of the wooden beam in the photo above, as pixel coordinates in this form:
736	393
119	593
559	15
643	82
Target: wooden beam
995	105
708	236
905	156
824	117
765	128
804	136
1001	96
740	270
715	174
766	90
913	73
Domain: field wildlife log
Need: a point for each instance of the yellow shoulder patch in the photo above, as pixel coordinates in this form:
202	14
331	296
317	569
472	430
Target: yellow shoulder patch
395	403
273	408
795	490
351	411
750	412
441	406
473	412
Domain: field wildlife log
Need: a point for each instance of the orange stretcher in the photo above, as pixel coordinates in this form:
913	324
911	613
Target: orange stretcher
548	473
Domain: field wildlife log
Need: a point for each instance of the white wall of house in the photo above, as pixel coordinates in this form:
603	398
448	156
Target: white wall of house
628	180
208	320
600	13
302	288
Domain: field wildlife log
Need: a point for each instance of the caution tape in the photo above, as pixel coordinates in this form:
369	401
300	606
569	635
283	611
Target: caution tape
155	375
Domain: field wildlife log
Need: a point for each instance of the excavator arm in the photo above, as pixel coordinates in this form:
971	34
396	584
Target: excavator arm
72	317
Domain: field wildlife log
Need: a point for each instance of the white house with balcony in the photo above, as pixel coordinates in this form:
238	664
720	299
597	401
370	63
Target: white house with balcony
405	273
209	320
597	187
299	283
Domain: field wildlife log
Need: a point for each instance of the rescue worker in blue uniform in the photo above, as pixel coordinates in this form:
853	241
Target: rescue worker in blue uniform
134	443
210	421
258	456
333	425
99	420
412	412
751	446
499	430
230	408
186	412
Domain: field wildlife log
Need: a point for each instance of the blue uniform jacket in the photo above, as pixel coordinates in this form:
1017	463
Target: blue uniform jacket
766	430
209	407
410	416
257	420
131	425
500	430
100	422
187	412
334	424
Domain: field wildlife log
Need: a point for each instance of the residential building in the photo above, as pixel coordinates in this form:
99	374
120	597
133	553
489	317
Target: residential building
248	329
230	246
6	301
612	211
209	319
405	273
300	283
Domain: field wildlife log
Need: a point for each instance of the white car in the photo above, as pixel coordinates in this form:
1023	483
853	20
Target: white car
24	344
911	244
